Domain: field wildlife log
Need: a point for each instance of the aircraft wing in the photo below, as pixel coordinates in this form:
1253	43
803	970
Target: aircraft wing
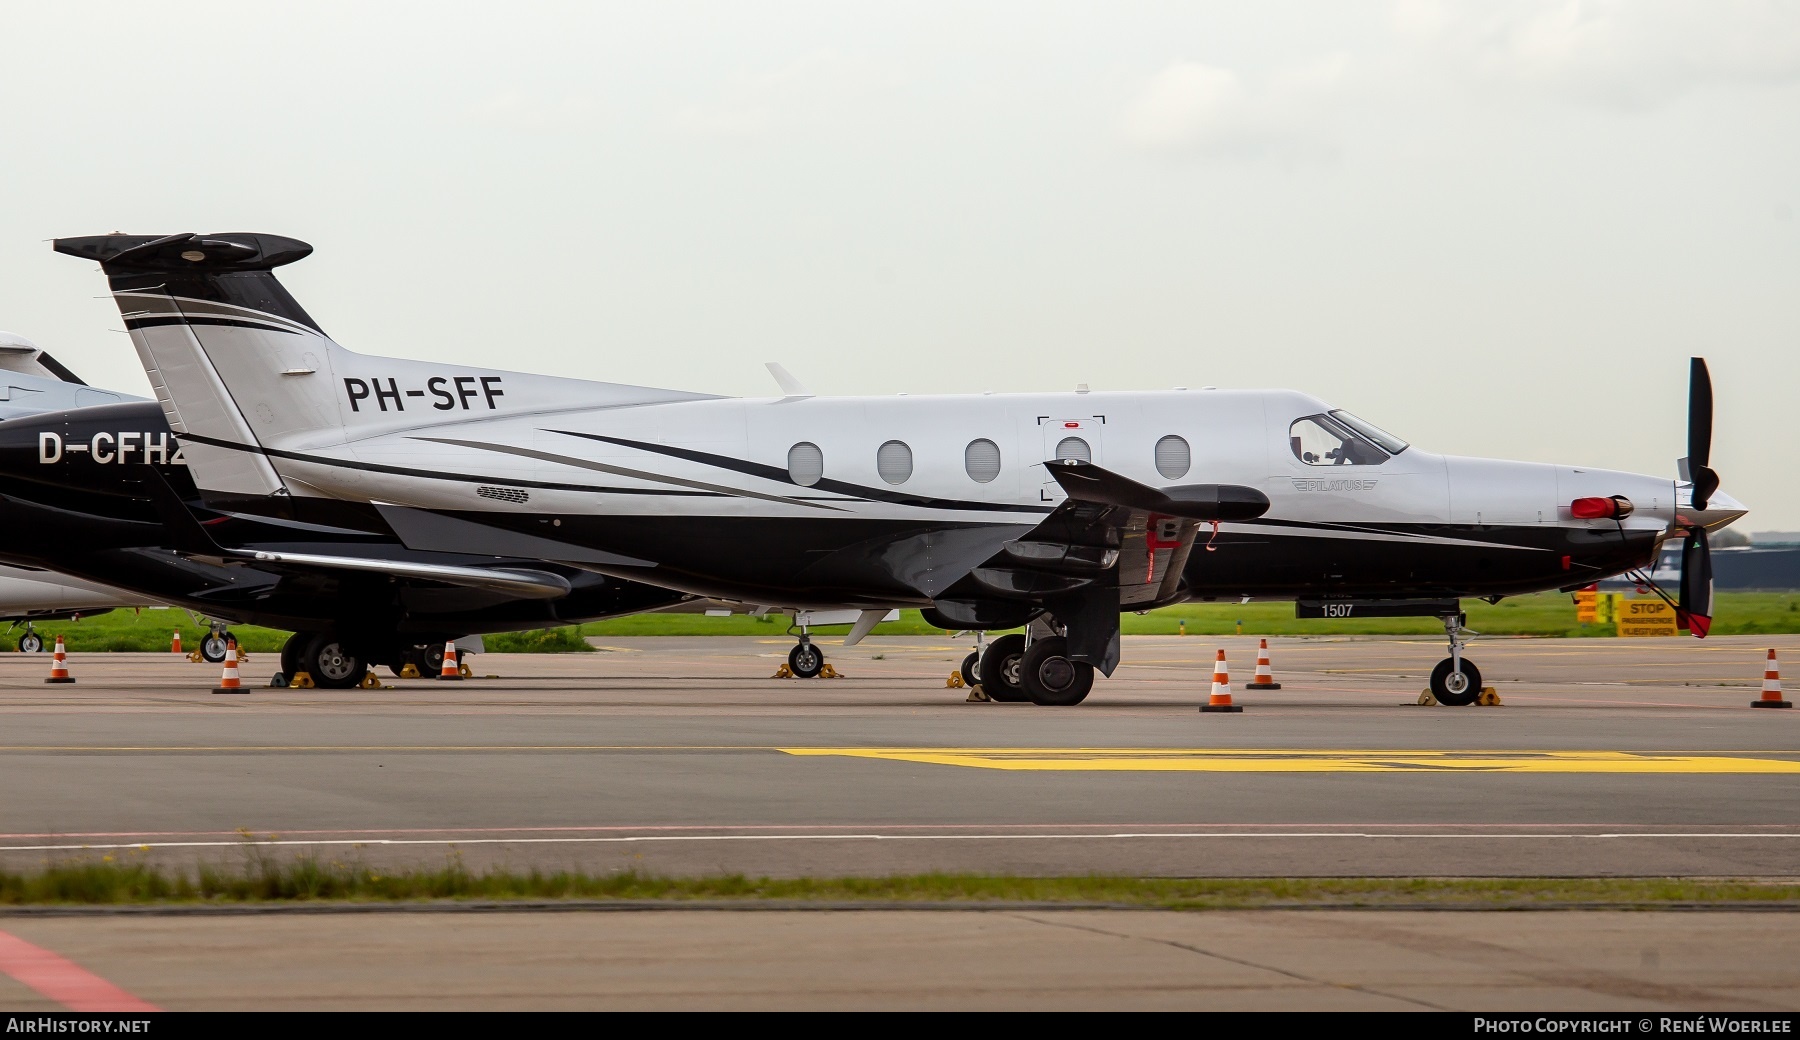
523	582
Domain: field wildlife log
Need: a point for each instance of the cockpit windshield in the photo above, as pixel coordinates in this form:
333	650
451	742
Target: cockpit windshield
1333	440
1389	443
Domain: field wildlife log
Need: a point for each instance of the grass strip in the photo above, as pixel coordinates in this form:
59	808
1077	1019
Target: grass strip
302	880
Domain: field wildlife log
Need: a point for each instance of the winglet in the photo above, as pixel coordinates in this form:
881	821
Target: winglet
790	387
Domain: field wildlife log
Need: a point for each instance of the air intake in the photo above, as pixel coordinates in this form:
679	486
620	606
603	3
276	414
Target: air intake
503	494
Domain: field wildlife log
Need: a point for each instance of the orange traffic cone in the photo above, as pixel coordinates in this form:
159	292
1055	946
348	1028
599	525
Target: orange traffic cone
1221	689
1264	679
175	642
59	664
450	672
1771	695
229	682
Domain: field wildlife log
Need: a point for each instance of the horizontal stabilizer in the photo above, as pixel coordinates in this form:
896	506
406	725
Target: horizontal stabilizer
1086	482
521	582
187	251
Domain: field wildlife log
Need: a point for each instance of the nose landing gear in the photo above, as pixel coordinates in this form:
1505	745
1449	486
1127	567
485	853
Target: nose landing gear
1455	681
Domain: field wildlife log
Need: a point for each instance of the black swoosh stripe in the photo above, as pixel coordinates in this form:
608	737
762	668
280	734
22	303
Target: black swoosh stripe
776	473
402	471
144	323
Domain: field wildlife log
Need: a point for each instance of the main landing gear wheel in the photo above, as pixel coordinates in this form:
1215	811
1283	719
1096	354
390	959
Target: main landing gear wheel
31	643
971	668
332	665
1050	678
293	652
214	645
999	672
805	661
1453	687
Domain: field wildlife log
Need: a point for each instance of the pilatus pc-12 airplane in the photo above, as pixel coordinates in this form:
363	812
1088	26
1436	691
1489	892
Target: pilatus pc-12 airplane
1052	511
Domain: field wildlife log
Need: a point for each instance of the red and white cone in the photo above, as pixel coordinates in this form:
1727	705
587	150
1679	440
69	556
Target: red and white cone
1221	689
175	642
230	681
59	665
1771	691
1265	679
450	672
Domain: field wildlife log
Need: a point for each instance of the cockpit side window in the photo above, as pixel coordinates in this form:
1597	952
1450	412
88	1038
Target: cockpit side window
1320	440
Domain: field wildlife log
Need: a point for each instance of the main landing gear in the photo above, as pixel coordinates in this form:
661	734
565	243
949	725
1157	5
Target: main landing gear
1035	667
1455	681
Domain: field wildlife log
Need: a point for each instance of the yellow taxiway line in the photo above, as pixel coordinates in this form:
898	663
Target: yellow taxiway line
1209	760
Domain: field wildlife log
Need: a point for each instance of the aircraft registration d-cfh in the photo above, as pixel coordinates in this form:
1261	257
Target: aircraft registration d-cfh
1056	511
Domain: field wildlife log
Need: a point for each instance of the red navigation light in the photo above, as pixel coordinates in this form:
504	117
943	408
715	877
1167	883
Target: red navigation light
1614	508
1071	426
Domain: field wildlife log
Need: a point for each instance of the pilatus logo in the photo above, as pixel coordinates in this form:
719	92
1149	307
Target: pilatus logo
1322	484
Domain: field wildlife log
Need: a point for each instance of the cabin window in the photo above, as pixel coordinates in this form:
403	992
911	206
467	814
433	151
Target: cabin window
1073	448
1173	457
1321	440
981	460
806	464
893	461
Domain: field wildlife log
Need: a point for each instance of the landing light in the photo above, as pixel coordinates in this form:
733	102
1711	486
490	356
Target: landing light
1617	507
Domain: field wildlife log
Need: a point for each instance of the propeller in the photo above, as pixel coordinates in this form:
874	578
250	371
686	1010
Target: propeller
1700	418
1693	611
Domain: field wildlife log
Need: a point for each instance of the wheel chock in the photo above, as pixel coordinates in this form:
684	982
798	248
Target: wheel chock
242	655
370	681
784	672
1425	696
409	671
955	681
195	656
977	695
1488	698
463	669
278	681
301	681
828	672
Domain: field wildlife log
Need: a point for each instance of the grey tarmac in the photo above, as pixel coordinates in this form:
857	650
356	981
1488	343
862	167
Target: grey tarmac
682	756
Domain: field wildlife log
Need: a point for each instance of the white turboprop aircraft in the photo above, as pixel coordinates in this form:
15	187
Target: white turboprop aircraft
1056	511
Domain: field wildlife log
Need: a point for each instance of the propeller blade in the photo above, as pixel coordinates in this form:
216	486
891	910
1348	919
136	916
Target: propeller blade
1700	423
1693	611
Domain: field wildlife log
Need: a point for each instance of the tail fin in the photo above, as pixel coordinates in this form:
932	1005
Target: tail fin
207	318
258	393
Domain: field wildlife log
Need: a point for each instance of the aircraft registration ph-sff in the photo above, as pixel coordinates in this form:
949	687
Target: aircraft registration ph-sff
1056	511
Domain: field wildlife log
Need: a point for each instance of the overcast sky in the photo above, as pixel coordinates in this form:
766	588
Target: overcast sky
1497	229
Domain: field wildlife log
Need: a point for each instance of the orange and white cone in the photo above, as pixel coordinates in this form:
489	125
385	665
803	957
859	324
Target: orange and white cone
1771	691
230	682
175	642
59	665
1221	689
1265	679
450	672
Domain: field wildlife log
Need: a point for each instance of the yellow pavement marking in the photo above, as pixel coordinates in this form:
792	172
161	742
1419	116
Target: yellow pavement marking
1211	760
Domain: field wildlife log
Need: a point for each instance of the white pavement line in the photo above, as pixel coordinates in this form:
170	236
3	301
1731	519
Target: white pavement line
630	839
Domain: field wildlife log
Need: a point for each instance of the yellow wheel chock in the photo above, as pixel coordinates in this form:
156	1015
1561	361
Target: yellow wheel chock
955	681
783	672
977	695
828	672
301	681
409	671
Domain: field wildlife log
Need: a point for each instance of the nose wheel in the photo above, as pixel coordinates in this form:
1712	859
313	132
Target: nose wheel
1456	681
805	660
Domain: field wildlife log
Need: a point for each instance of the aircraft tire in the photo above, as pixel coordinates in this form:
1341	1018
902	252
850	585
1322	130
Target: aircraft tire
332	665
971	669
1000	666
1459	690
1050	678
293	651
31	643
806	661
213	647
